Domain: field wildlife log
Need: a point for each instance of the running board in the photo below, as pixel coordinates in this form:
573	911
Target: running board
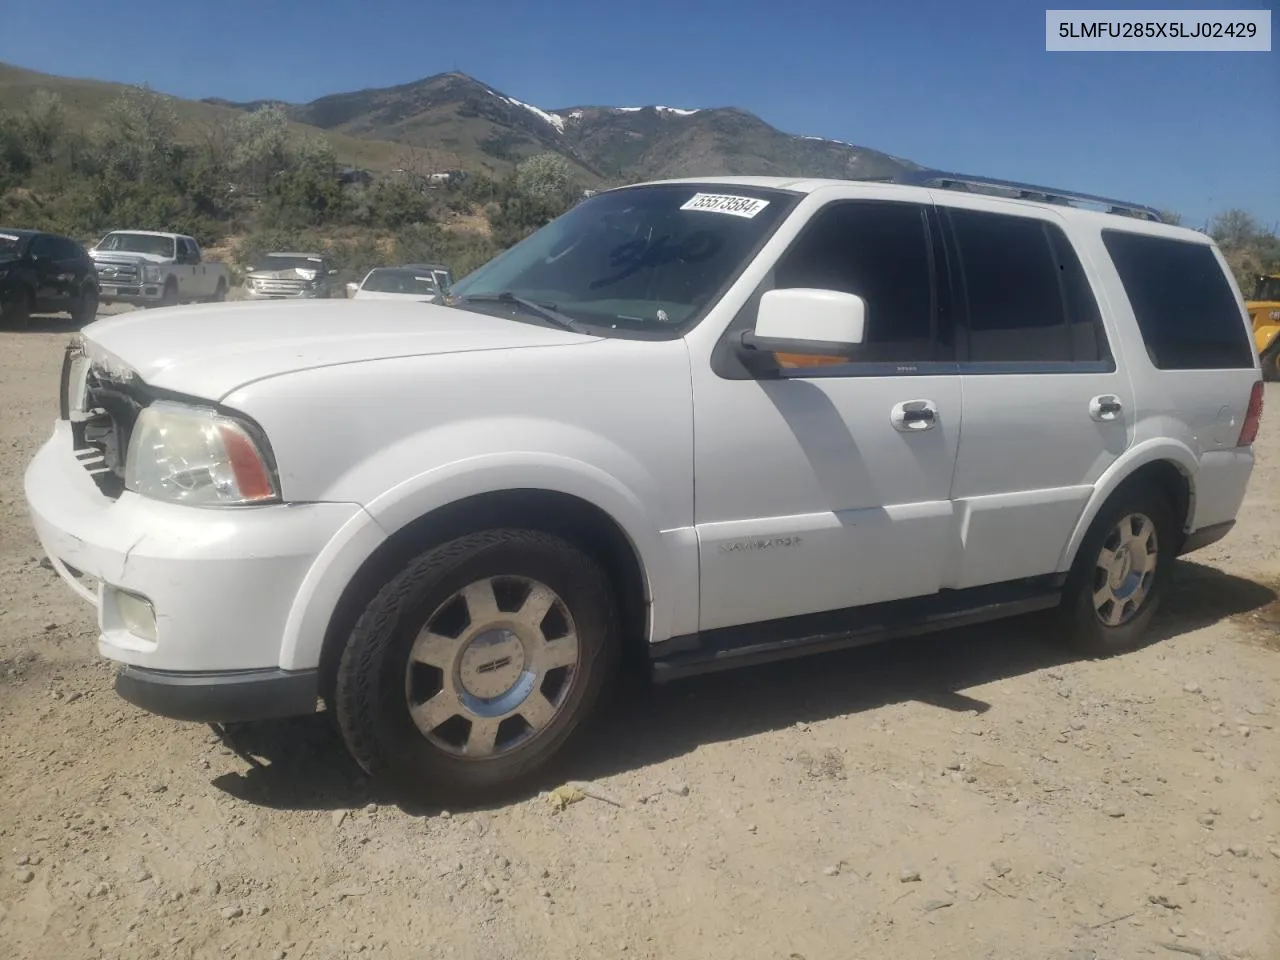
755	643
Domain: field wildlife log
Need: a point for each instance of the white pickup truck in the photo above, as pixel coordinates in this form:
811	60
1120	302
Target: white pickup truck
151	269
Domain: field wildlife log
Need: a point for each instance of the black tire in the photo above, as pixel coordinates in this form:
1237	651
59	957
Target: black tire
85	310
15	312
1270	362
1081	618
374	683
170	296
220	294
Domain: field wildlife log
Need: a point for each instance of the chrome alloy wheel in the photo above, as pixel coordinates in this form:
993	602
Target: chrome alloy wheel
1125	570
492	667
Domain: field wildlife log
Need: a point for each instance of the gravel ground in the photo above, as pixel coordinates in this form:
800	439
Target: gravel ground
977	794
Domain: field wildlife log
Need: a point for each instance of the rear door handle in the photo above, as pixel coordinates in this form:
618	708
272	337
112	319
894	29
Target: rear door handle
911	416
1105	408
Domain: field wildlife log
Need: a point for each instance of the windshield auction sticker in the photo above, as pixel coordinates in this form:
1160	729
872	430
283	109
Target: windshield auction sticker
723	203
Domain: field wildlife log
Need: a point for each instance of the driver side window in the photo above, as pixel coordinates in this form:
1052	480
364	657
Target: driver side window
881	251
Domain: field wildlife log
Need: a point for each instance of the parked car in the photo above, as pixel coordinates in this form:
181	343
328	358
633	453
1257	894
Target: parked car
398	283
150	269
902	407
44	273
427	271
288	276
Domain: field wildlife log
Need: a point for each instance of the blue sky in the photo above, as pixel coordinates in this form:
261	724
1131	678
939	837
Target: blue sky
962	86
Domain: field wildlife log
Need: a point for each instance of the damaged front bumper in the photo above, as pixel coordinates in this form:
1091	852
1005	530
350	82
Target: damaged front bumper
193	600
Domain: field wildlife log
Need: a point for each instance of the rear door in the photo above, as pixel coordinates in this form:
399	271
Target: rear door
196	283
1046	407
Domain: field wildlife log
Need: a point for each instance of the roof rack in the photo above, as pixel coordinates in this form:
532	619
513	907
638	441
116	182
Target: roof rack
1021	191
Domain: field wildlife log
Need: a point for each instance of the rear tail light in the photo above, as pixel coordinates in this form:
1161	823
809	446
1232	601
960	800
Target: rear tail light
1252	417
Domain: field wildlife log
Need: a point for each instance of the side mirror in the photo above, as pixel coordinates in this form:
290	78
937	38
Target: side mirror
801	327
333	272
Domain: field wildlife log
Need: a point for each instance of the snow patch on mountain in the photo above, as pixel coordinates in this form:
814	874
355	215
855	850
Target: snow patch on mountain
554	119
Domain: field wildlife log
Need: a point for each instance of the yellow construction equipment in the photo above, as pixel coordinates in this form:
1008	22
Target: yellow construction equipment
1264	311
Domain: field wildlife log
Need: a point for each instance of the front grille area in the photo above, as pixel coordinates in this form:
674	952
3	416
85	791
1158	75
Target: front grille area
118	274
279	287
100	433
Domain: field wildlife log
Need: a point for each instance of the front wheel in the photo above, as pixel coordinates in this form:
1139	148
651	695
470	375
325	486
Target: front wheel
170	296
1120	573
470	670
16	309
85	310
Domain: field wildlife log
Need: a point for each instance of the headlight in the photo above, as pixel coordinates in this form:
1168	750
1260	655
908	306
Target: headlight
186	454
150	274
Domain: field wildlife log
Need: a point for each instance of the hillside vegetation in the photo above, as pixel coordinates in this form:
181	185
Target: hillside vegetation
257	181
444	168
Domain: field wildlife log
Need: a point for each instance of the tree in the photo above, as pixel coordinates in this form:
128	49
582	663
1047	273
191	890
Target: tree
138	135
1171	217
261	145
43	125
1235	229
546	177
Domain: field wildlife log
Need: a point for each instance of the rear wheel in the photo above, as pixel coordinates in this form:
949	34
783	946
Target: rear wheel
220	294
471	669
1120	573
1270	361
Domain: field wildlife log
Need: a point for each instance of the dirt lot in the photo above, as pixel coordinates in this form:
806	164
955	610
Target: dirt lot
971	795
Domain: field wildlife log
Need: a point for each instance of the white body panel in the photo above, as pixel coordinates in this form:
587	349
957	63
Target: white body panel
743	499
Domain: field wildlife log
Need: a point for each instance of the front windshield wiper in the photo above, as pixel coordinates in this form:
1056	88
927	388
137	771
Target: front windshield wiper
544	310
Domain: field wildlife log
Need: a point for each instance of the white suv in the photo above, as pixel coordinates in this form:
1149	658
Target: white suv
717	421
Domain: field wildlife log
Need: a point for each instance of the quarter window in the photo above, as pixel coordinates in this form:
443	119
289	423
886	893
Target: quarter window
880	251
1186	310
1027	296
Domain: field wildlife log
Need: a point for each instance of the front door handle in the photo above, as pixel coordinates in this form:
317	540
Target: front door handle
911	416
1105	408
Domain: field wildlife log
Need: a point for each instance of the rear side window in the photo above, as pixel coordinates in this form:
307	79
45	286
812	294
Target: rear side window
1028	298
1188	316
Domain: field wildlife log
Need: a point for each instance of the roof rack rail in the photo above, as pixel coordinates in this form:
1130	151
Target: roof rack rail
1023	191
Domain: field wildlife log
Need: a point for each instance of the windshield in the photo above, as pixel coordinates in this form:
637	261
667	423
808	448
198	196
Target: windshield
138	243
392	280
10	244
277	262
1268	289
647	257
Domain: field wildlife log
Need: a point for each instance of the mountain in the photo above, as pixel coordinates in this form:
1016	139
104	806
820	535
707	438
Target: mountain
458	114
85	101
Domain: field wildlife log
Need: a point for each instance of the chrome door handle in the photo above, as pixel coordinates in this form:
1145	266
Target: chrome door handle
1105	408
911	416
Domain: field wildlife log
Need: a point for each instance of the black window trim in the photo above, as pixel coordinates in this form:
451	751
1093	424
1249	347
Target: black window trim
969	367
724	360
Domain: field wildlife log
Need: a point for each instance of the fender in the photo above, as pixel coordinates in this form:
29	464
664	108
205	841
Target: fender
448	483
1148	451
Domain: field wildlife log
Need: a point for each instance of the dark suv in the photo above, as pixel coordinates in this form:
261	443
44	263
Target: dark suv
45	273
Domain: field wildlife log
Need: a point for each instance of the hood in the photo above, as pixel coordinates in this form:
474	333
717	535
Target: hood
126	256
387	295
209	350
